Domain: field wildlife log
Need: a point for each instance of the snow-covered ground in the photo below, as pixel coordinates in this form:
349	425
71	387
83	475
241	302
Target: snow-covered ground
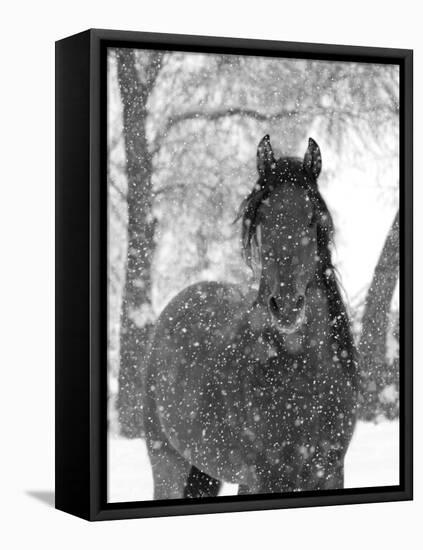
372	460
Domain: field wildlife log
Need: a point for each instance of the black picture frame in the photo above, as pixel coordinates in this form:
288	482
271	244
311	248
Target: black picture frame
81	274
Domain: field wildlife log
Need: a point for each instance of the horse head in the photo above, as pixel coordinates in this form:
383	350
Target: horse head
287	222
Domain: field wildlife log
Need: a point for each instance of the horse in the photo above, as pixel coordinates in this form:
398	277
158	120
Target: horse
259	392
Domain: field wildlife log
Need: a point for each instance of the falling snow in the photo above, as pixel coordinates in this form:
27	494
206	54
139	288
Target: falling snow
239	355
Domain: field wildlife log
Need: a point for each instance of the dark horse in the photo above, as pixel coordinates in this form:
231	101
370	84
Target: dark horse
258	393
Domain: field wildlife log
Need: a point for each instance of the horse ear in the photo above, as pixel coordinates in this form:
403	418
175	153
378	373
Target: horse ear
265	157
313	159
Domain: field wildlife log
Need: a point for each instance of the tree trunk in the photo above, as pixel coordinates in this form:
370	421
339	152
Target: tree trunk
372	346
136	314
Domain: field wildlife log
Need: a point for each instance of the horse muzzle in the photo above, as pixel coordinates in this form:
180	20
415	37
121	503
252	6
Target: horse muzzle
288	314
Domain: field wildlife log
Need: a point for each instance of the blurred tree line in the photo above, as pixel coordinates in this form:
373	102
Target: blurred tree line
182	128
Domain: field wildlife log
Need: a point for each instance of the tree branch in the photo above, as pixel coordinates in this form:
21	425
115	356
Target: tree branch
198	114
217	114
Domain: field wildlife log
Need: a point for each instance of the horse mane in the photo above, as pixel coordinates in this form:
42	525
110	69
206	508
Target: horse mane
341	333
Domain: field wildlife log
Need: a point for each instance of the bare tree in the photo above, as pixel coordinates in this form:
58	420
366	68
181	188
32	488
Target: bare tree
372	346
136	82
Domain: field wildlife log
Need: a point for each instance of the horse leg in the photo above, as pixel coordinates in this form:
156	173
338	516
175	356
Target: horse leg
173	476
270	478
200	484
333	472
336	479
170	470
244	490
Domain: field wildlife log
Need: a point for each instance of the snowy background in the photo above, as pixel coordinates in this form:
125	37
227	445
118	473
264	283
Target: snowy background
195	134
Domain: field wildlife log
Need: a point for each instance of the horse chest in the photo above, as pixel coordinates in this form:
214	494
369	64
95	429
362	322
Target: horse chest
230	398
297	393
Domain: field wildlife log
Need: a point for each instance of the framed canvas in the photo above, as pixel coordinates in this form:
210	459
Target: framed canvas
234	274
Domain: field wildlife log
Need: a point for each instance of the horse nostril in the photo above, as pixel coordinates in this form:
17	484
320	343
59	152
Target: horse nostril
300	302
273	306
